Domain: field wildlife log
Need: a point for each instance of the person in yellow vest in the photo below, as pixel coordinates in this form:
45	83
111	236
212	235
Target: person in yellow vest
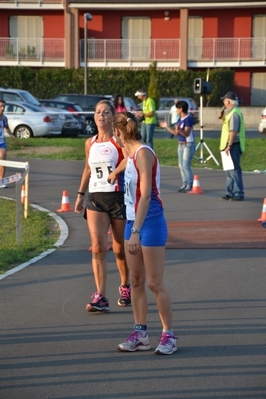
233	140
147	115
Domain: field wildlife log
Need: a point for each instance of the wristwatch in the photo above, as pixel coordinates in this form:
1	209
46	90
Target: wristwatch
134	231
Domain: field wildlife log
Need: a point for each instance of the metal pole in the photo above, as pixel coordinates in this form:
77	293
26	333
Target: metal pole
201	127
85	55
18	214
87	17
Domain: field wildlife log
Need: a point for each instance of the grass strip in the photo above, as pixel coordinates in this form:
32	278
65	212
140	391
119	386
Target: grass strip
39	233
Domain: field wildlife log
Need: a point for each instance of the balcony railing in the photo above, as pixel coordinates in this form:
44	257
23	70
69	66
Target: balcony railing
127	50
38	3
121	52
213	50
232	49
38	50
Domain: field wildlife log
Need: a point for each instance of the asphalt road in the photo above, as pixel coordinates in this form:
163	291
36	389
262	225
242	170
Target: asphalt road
52	348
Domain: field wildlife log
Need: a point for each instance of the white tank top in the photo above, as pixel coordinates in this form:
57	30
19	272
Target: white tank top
103	159
132	187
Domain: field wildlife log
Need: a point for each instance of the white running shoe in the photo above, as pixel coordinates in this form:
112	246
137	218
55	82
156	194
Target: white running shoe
3	186
135	343
167	345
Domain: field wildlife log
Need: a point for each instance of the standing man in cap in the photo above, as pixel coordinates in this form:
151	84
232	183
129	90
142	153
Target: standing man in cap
233	140
148	116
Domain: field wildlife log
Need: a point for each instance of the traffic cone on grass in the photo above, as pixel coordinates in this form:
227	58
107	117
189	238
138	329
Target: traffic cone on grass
196	186
263	212
23	194
65	206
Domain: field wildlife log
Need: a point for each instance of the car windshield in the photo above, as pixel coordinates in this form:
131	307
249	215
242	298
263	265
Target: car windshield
29	98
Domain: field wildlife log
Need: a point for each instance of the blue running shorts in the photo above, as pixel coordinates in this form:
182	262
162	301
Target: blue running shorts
153	232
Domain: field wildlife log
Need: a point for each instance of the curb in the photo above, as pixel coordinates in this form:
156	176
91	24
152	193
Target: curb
63	236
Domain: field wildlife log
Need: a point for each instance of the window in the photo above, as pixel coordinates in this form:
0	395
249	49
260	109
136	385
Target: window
137	34
29	31
259	34
195	34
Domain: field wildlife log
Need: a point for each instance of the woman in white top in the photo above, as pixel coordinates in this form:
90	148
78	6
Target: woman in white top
105	206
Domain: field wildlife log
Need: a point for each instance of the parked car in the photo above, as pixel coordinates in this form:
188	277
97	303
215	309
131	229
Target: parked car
72	107
69	124
131	106
26	120
165	103
18	95
87	102
262	125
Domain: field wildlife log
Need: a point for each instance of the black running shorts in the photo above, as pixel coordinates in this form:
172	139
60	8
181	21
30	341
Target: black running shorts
111	203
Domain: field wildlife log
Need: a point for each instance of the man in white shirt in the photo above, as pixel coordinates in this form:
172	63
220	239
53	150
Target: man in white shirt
174	116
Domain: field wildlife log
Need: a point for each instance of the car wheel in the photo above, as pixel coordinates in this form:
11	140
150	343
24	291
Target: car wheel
91	128
23	132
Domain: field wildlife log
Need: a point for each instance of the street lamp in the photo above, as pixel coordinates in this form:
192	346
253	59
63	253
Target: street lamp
87	17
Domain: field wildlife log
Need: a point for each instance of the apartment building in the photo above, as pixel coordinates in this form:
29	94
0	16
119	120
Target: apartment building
192	34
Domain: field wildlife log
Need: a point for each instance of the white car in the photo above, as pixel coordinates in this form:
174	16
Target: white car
27	120
262	125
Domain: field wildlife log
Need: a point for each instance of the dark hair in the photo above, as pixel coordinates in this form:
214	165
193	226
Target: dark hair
3	101
116	100
128	124
107	102
182	104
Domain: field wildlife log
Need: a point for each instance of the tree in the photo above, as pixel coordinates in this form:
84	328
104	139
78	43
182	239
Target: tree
153	90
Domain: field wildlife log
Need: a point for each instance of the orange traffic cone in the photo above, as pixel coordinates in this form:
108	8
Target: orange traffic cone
23	194
65	206
196	186
263	213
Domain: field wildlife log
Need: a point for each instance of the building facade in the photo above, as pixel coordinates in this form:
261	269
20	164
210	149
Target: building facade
192	35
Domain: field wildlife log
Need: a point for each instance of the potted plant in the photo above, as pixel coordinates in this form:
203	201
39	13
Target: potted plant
31	52
10	51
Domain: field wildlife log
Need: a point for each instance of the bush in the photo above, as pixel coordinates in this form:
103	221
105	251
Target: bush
47	82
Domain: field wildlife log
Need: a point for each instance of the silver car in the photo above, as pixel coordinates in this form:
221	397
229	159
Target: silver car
69	124
165	104
26	120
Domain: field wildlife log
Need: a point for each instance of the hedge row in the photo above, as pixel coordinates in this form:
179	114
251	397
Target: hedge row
47	82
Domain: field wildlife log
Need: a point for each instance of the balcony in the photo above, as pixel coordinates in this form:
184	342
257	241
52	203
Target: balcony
229	52
201	52
120	53
32	52
32	4
126	53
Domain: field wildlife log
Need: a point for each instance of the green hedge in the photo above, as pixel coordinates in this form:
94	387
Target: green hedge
47	82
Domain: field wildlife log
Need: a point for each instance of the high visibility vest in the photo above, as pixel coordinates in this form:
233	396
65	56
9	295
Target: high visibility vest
225	130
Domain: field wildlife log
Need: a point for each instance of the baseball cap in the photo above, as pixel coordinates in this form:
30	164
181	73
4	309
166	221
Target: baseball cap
140	92
230	95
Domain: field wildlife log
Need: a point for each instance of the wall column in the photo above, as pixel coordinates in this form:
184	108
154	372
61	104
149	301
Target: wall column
71	38
183	38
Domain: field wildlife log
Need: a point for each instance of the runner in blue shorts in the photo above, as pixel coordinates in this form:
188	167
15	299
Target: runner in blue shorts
145	235
3	147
